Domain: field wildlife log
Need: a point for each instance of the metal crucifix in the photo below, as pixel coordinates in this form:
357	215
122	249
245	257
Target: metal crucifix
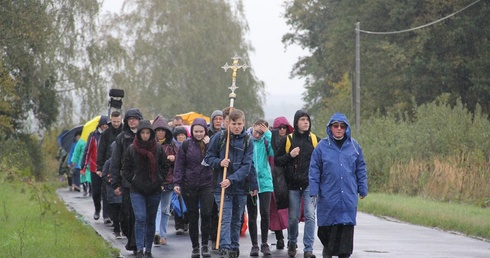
234	67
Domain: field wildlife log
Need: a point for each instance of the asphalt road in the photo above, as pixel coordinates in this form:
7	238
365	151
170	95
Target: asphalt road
374	237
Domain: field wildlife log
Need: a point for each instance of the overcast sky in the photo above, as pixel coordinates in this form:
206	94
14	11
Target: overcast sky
271	62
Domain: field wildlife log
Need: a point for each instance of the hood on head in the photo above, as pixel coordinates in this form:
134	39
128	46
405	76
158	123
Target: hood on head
201	122
300	113
103	121
132	112
281	120
341	118
178	130
161	122
145	124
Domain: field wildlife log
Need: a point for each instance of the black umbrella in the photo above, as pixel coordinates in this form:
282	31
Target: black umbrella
68	137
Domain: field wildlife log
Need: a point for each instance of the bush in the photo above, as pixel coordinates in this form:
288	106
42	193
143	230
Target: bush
441	153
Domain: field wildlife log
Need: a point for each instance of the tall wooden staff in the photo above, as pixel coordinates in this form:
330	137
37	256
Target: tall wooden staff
234	67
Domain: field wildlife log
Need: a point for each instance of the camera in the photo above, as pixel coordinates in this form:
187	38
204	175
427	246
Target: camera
116	96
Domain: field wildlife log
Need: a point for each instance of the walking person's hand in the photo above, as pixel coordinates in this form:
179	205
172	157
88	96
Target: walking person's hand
294	152
177	189
117	191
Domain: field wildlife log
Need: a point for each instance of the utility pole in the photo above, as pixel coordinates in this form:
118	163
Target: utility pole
358	78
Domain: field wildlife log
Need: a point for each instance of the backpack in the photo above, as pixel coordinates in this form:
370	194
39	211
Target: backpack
289	139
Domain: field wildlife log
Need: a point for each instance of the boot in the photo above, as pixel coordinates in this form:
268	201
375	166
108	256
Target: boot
205	251
292	250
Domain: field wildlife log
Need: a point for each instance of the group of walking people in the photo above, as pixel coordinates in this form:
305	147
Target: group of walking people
283	172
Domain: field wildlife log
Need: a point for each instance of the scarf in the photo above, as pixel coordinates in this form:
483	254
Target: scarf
145	151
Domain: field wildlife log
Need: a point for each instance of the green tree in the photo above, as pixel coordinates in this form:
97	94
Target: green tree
40	43
171	52
447	57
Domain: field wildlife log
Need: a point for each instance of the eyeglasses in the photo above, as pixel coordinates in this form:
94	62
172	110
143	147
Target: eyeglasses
282	127
259	132
339	125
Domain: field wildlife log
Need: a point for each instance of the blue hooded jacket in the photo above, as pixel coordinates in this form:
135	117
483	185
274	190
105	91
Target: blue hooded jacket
337	175
240	162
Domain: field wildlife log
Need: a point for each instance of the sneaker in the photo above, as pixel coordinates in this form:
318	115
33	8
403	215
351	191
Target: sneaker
156	239
254	251
223	253
163	241
264	248
195	253
280	244
180	231
237	251
292	250
107	221
148	254
118	235
97	215
309	254
232	254
205	251
213	245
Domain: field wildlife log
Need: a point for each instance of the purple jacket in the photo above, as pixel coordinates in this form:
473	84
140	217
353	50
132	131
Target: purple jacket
189	173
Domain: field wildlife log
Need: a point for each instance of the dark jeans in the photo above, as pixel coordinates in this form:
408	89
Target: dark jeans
145	212
115	215
264	203
96	190
194	198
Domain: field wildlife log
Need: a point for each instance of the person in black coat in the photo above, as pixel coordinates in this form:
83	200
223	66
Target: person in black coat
145	167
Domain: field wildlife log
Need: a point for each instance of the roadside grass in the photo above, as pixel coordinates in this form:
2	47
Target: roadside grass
467	219
35	223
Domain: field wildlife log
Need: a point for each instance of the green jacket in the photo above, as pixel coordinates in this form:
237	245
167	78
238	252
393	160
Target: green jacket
261	163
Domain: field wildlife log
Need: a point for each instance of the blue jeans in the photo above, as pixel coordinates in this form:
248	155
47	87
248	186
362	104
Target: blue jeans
231	221
163	213
145	212
294	213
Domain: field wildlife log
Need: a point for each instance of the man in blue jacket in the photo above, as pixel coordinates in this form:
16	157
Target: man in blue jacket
235	185
337	177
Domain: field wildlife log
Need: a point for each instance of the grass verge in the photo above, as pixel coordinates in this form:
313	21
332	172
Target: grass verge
467	219
35	223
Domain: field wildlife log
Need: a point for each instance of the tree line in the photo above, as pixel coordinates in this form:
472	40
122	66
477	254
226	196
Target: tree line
60	58
398	71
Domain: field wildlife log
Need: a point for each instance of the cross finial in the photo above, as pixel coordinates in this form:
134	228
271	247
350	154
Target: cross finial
234	67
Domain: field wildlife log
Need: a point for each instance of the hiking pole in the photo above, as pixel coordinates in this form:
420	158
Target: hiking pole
234	67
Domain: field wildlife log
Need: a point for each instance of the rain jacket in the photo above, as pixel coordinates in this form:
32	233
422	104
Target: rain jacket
337	177
189	173
241	161
261	163
123	140
104	150
90	152
136	170
296	169
169	146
